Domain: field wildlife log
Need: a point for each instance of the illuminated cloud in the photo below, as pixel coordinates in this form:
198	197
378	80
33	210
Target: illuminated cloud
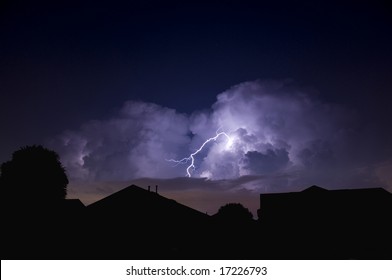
281	138
132	144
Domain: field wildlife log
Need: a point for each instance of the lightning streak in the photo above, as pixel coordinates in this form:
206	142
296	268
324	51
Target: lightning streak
191	157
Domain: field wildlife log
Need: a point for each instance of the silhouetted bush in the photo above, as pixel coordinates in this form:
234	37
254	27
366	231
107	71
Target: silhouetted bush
33	173
234	212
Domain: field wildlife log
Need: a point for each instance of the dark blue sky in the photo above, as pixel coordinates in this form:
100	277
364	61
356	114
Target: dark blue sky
62	64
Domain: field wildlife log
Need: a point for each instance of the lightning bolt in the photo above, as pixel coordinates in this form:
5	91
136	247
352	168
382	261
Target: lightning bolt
191	157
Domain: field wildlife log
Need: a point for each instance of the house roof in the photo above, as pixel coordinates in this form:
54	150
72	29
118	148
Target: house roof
366	201
138	202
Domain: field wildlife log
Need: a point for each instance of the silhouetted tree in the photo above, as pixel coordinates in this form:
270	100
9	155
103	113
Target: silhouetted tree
33	173
234	231
234	212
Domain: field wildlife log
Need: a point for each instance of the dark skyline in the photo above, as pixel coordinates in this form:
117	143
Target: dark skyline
63	65
343	224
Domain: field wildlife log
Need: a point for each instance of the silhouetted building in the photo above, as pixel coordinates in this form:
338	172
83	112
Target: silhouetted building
136	223
319	223
146	225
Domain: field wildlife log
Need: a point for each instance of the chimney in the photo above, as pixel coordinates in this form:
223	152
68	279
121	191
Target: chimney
156	188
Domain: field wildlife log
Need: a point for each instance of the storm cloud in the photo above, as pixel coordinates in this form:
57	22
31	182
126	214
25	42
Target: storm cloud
282	138
132	144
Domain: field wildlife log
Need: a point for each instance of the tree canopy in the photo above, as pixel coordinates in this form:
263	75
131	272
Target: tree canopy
33	173
234	212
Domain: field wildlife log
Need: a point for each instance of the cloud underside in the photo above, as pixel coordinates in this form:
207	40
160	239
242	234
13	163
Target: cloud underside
281	139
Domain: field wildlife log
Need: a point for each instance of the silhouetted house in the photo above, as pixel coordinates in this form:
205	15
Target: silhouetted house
145	224
349	223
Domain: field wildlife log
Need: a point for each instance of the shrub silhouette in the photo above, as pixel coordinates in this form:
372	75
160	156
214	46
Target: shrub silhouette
33	173
234	212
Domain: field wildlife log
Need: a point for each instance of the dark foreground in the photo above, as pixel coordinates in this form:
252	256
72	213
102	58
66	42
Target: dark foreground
135	223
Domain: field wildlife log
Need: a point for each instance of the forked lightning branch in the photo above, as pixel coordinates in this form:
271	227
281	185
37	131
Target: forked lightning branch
191	157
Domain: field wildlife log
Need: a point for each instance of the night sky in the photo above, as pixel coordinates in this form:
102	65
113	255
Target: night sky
303	90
